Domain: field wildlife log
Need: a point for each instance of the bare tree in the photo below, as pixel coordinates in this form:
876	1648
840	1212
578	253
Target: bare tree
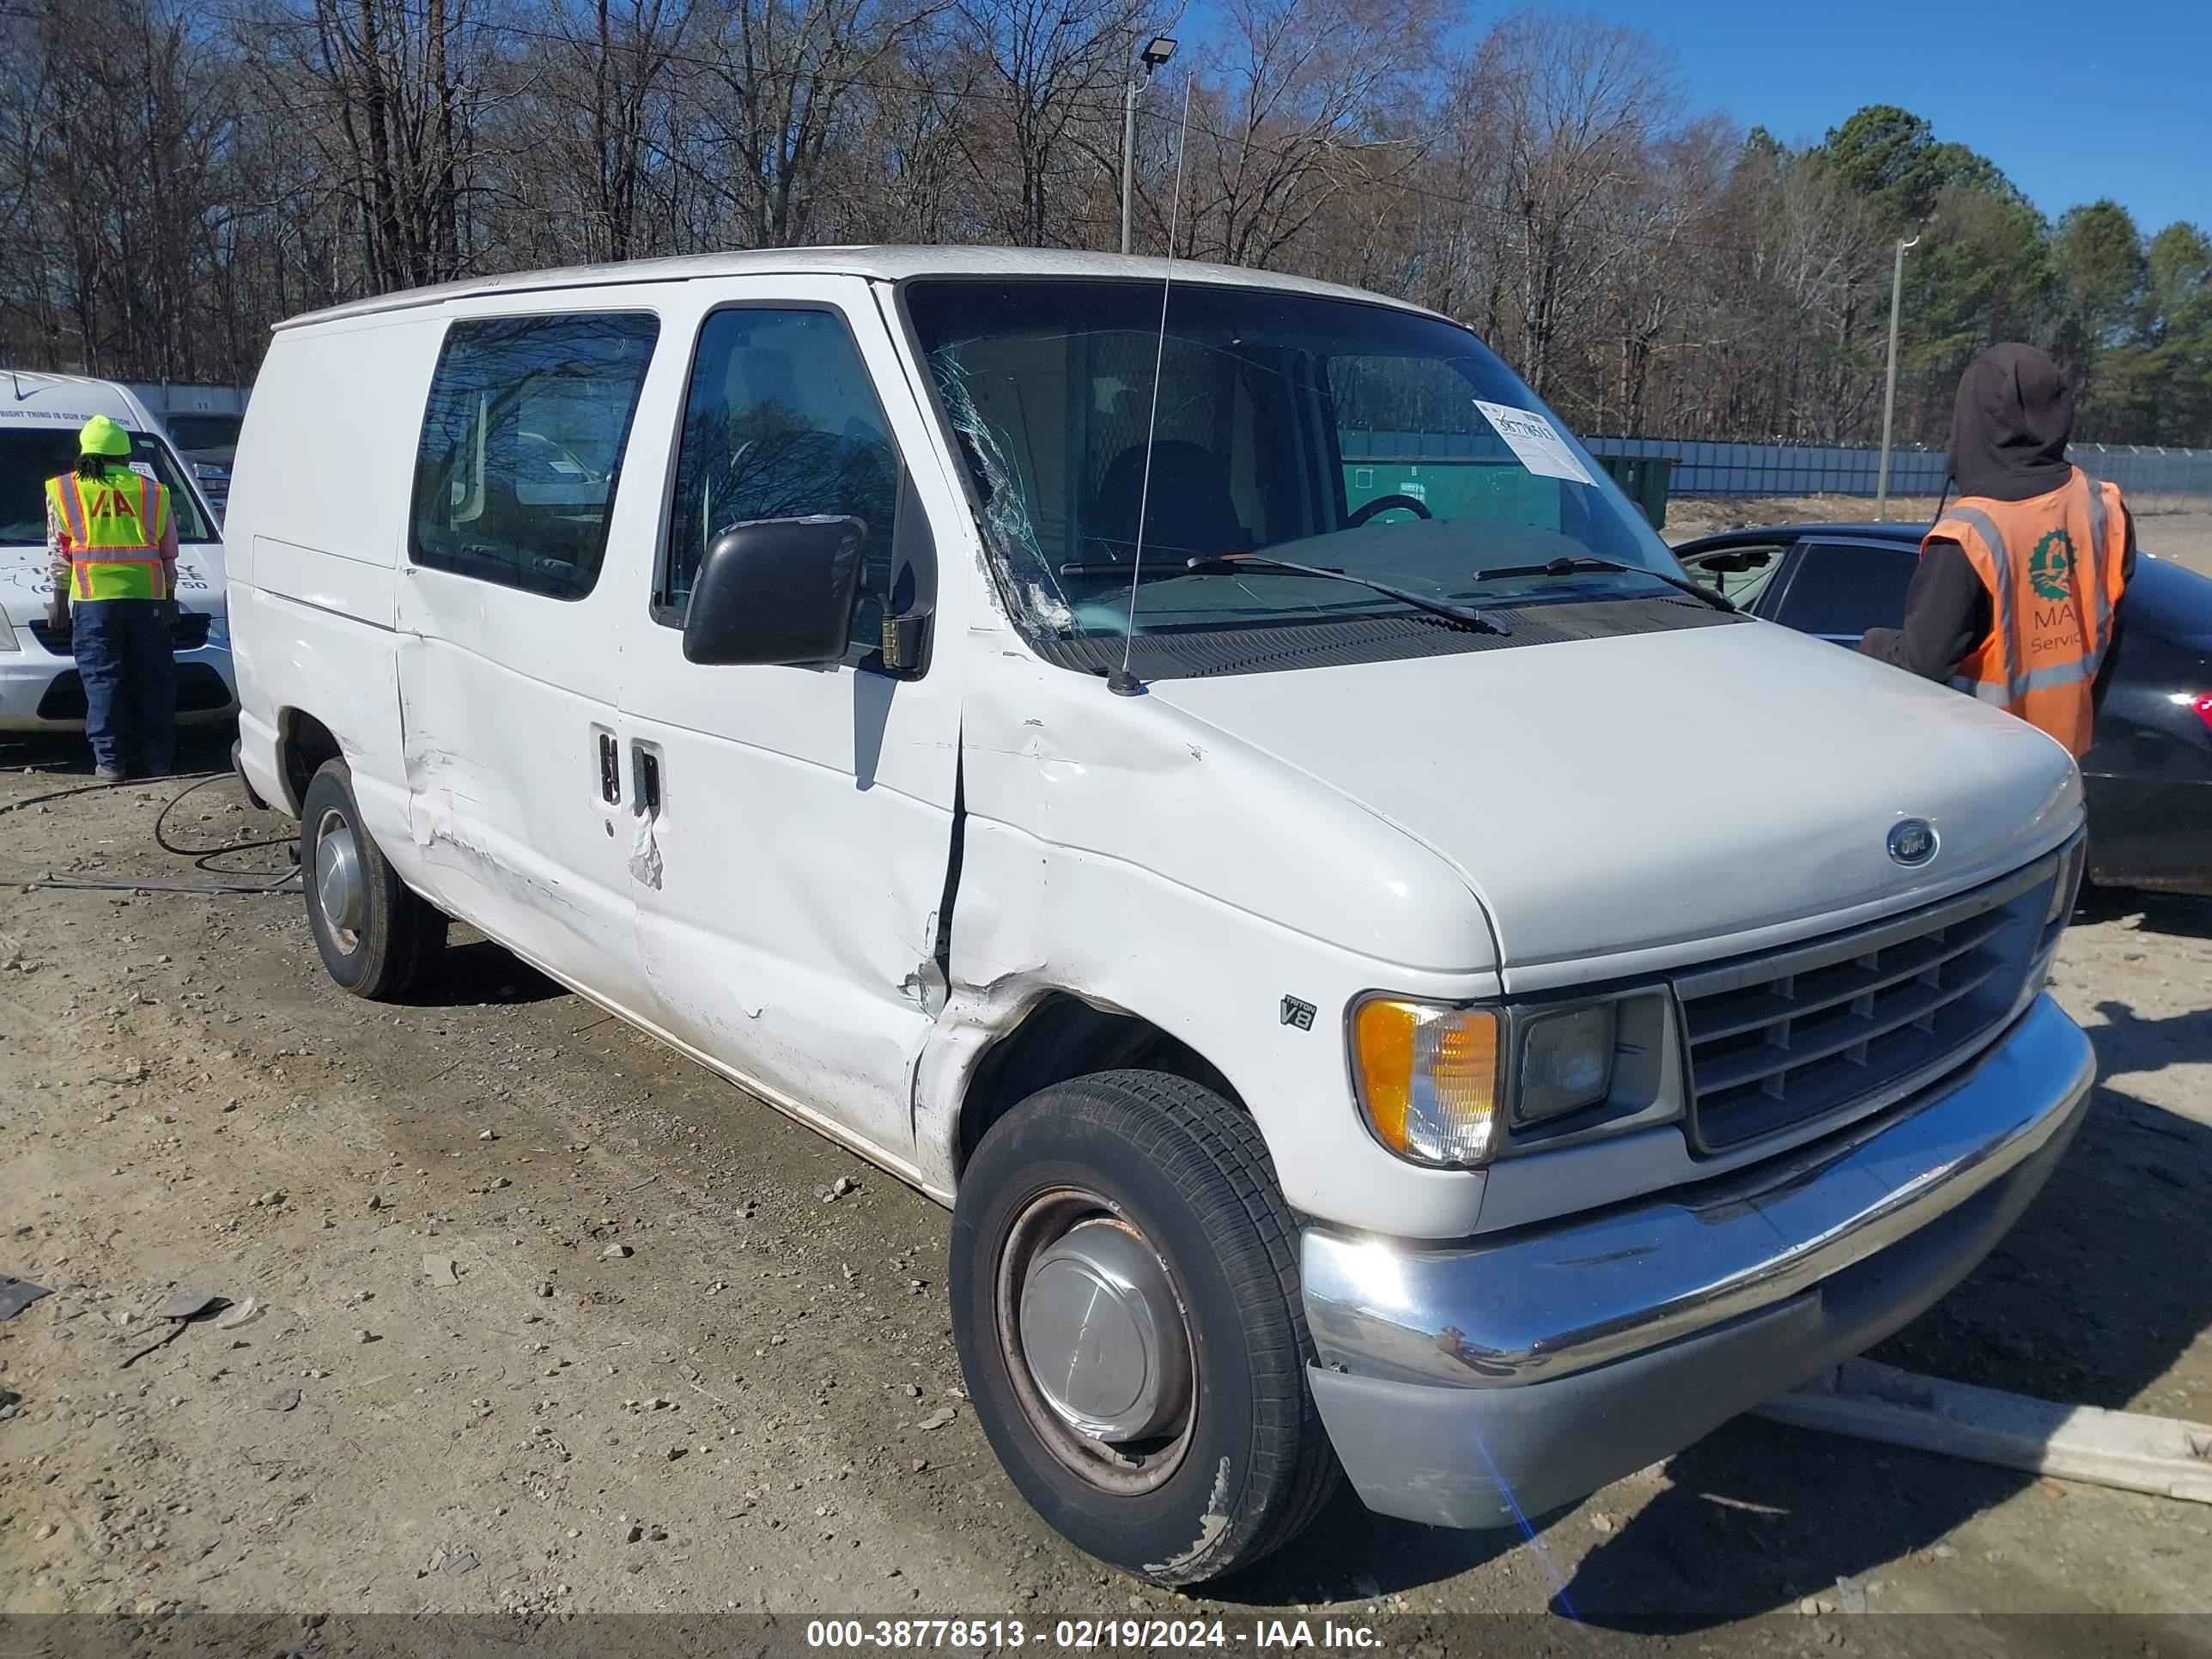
1293	116
1578	102
909	175
1047	101
631	51
173	178
791	81
393	90
1657	218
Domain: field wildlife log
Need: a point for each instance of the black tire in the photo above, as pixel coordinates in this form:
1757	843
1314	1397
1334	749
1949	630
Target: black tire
396	932
1252	1464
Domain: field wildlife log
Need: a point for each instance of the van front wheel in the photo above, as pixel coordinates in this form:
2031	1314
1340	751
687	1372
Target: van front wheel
374	932
1125	1299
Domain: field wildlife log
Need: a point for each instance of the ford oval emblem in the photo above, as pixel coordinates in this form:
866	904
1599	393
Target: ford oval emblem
1911	842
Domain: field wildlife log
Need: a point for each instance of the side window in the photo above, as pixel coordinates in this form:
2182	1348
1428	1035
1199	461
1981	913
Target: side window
1844	589
522	447
781	422
1739	575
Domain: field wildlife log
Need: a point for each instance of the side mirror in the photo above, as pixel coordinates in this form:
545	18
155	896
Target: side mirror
776	591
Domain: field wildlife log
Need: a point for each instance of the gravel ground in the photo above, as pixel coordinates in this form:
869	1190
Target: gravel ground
453	1392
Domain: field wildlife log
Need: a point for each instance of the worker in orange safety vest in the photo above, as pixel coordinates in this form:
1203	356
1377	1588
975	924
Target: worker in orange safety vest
2017	596
111	549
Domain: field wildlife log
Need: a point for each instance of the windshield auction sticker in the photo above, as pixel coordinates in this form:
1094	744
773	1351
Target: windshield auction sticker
1536	441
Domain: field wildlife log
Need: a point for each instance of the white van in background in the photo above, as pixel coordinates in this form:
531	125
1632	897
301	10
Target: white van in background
1391	986
40	416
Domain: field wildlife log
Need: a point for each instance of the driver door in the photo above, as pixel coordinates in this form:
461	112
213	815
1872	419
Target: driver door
795	823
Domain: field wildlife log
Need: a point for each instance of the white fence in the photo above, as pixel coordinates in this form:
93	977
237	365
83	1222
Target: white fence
2176	477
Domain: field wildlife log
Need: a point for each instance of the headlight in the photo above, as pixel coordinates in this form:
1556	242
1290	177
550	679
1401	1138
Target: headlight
1428	1078
1445	1085
1566	1062
8	634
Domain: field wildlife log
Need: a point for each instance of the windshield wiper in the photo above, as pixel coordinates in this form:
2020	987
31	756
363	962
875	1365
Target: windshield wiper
1568	564
1231	564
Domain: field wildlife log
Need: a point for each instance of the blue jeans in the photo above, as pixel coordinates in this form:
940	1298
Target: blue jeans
124	655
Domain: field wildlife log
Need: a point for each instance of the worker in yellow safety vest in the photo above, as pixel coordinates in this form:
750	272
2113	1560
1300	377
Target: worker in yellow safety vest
2017	596
111	552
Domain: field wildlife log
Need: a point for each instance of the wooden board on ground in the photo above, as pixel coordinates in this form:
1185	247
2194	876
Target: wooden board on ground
1870	1402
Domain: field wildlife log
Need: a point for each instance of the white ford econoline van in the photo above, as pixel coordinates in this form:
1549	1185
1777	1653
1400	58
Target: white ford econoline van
1386	979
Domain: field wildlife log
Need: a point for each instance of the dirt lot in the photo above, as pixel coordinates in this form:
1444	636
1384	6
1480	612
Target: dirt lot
454	1393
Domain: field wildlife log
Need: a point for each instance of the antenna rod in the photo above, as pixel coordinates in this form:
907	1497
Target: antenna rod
1121	682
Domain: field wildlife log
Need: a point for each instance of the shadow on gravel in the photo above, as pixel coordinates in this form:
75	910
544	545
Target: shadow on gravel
1351	1554
1760	1517
478	973
2168	916
66	754
2080	1302
2127	1044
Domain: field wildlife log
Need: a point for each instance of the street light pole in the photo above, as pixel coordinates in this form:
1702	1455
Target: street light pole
1128	148
1889	387
1156	52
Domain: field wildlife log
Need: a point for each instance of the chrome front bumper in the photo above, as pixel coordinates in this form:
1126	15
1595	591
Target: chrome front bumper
1475	1386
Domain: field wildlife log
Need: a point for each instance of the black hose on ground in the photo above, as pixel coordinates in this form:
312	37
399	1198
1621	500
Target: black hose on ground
63	880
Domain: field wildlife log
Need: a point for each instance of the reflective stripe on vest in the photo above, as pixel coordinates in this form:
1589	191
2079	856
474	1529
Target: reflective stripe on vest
2071	628
115	542
1997	691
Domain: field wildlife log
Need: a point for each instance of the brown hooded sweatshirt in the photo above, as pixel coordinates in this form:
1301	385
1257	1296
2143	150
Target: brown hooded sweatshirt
2009	426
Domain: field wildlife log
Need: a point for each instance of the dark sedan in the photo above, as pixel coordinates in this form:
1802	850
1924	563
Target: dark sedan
210	443
2148	775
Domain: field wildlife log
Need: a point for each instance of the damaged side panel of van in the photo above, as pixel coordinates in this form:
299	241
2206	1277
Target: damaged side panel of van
1088	836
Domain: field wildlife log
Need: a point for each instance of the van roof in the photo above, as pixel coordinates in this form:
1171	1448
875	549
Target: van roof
880	262
28	397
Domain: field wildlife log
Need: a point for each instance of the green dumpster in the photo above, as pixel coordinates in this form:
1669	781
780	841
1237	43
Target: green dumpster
1643	479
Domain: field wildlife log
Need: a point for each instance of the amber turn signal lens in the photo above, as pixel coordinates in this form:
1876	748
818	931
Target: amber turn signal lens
1428	1078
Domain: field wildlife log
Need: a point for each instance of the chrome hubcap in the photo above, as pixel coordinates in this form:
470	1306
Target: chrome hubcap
1096	1341
1101	1333
338	892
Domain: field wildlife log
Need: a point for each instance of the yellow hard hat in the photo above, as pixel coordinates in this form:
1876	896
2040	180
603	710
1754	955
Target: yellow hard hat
101	436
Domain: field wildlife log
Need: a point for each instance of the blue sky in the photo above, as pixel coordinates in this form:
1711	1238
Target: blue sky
2073	101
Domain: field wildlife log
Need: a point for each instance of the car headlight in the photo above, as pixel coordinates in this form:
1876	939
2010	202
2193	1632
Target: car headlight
8	634
1566	1062
1447	1085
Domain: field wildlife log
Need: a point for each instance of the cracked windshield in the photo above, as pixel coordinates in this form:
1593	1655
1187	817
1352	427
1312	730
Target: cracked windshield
1359	441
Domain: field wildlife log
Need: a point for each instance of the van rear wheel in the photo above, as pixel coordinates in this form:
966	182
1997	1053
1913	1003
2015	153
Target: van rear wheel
1124	1281
375	934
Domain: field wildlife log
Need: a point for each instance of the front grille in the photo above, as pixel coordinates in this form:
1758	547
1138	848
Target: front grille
187	629
1813	1030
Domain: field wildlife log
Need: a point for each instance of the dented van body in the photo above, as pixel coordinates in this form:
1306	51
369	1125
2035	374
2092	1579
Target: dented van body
970	700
